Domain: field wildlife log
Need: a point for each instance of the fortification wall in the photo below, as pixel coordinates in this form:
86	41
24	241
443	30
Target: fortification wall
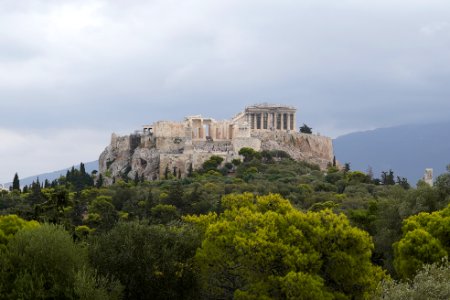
169	129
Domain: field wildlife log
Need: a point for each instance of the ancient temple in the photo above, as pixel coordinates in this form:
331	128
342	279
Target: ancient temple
271	117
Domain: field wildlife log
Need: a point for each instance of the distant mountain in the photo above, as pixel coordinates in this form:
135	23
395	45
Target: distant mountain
407	150
89	166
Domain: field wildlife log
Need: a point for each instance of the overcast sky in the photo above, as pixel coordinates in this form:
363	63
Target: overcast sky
73	72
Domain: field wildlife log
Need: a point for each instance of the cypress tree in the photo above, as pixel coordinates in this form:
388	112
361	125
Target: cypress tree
190	170
166	172
82	169
16	183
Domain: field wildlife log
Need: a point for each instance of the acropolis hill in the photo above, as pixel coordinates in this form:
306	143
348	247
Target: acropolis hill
180	145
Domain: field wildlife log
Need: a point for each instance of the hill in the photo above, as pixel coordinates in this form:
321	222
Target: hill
407	150
89	166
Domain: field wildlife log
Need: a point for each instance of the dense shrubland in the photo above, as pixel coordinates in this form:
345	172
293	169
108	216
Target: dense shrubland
261	228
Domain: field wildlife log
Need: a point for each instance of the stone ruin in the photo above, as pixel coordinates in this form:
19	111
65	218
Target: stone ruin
428	176
187	144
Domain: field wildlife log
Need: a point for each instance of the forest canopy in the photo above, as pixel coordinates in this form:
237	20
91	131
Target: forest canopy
264	227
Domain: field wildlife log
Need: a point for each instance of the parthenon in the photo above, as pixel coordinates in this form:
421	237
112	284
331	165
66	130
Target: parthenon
271	117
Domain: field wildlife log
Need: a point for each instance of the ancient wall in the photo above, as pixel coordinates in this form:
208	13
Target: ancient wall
249	142
169	129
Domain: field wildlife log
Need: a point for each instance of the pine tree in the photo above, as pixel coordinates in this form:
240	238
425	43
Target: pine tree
306	129
16	183
346	167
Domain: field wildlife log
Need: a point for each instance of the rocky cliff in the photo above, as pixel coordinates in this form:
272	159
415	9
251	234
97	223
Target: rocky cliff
148	156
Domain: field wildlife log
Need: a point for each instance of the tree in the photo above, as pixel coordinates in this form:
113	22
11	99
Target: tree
82	169
431	282
346	167
152	262
403	182
45	263
426	240
11	224
102	213
305	129
263	248
212	163
248	153
190	170
163	214
387	178
136	178
99	183
16	183
443	183
46	184
166	172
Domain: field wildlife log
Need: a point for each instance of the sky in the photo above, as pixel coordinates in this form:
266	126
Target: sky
73	72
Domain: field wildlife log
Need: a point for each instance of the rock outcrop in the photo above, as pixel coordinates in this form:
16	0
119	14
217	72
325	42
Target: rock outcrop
147	157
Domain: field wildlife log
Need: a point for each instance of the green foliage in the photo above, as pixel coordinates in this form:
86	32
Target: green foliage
236	162
305	129
264	248
88	212
249	154
44	262
443	183
152	262
16	183
11	224
426	240
163	214
431	282
102	213
212	163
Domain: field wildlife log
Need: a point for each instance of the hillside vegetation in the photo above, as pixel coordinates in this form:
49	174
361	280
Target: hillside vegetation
267	227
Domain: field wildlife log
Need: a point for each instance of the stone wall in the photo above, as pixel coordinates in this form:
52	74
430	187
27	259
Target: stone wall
169	129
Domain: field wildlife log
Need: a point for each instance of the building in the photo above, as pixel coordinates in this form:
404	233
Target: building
186	145
261	117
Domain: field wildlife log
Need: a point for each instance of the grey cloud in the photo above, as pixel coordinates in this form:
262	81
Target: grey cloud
345	64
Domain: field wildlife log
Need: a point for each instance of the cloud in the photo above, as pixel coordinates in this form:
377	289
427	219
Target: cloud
104	66
435	28
34	152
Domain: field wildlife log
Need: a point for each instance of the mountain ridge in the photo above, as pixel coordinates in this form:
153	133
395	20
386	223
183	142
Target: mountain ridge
50	176
406	149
